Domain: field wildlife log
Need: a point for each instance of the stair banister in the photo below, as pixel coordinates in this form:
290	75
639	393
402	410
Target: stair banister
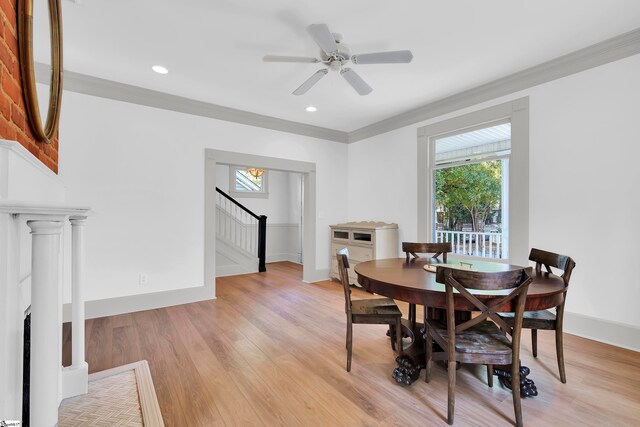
262	229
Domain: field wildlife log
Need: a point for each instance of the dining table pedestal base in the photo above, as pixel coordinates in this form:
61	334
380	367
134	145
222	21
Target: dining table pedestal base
407	371
527	386
411	360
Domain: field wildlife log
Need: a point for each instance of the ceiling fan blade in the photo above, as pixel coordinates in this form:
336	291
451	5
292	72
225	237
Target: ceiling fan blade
356	81
393	57
280	58
308	84
323	37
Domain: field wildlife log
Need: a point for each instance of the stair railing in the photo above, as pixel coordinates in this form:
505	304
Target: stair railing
242	227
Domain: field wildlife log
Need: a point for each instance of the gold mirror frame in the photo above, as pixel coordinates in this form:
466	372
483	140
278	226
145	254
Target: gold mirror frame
25	47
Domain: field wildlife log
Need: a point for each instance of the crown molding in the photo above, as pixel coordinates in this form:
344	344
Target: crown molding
610	50
89	85
613	49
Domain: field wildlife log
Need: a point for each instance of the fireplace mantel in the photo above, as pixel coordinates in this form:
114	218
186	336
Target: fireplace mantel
30	210
33	220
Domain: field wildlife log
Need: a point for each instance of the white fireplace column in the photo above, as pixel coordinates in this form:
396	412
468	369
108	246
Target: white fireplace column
45	312
75	377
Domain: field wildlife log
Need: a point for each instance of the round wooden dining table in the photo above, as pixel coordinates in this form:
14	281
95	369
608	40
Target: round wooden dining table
410	282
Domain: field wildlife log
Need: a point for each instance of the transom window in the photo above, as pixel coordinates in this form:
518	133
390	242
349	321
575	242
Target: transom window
248	181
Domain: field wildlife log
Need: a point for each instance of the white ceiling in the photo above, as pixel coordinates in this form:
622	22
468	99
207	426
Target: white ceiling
214	49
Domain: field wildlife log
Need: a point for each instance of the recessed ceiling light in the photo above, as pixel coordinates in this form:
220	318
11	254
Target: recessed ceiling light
159	69
311	108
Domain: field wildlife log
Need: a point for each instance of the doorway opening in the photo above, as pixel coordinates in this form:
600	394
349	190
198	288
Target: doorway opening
216	160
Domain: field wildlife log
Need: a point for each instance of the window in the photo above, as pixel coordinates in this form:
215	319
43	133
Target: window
470	178
248	182
474	144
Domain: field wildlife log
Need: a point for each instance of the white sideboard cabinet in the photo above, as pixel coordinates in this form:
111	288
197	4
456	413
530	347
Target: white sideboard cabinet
365	240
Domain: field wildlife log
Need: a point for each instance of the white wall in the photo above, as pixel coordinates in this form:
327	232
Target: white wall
382	183
584	179
141	170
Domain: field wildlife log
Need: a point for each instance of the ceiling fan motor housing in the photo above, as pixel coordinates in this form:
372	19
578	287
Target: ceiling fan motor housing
343	54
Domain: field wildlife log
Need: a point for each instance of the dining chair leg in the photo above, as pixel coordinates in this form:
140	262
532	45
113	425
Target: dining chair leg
349	344
534	342
346	341
560	356
515	392
428	354
451	399
490	375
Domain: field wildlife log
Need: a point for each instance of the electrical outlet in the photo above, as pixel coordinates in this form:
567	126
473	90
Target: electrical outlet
143	278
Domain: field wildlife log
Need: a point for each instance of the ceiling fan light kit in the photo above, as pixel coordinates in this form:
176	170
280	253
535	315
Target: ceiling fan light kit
336	55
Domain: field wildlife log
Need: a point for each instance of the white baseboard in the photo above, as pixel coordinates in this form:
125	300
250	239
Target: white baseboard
233	270
614	333
283	257
141	302
317	275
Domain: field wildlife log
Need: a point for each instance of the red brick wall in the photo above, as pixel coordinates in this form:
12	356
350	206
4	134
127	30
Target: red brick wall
13	120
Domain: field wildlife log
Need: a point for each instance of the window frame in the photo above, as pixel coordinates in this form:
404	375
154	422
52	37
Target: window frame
517	112
262	194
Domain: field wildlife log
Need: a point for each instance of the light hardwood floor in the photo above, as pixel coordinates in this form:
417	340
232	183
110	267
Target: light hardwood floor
270	350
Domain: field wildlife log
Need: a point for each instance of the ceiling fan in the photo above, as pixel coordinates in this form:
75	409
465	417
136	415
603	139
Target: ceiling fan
336	55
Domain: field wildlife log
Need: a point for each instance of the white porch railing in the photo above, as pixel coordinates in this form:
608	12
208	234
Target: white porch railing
488	245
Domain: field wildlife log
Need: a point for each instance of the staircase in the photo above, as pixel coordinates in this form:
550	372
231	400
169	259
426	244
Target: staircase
240	237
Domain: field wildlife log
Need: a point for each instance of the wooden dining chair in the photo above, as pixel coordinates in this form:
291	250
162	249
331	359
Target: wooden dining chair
544	319
411	250
379	311
483	339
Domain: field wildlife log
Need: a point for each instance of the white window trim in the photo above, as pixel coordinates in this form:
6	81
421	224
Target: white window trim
517	112
263	194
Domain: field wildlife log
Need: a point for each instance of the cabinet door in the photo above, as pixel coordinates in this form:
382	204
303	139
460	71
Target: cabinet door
360	254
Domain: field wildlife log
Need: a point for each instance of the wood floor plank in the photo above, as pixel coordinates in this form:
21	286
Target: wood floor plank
232	405
270	351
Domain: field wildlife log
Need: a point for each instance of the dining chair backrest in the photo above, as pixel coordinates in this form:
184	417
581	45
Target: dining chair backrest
437	249
461	280
550	259
472	279
343	269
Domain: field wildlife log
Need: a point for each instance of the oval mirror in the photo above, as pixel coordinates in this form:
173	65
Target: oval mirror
26	52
